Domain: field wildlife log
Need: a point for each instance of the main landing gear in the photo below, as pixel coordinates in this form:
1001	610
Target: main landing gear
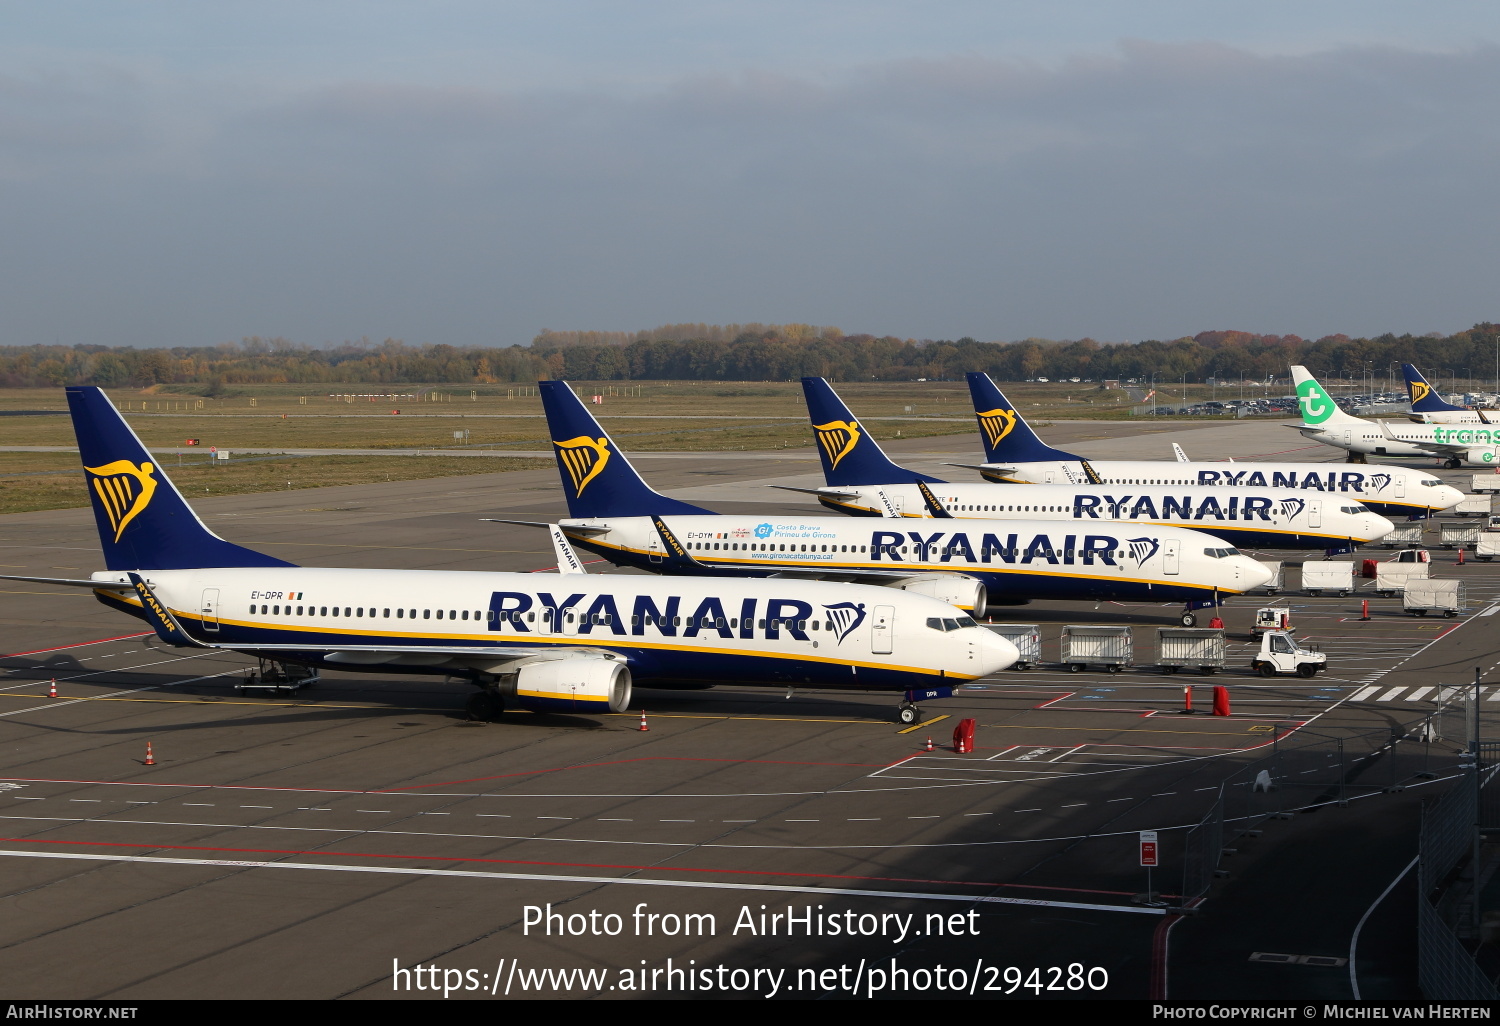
485	706
1453	463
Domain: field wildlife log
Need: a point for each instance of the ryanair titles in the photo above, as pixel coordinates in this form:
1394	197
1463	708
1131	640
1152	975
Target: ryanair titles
1312	480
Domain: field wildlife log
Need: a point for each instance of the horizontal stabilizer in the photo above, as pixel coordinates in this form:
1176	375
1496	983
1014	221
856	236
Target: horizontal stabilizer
70	582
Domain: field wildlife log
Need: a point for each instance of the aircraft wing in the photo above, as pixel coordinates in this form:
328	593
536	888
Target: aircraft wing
1440	447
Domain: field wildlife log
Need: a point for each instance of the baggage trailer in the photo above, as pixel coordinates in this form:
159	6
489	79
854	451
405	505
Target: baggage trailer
1392	574
1487	547
1274	568
1089	645
1486	483
1451	534
1179	647
1028	641
1406	536
1473	506
1328	575
1433	596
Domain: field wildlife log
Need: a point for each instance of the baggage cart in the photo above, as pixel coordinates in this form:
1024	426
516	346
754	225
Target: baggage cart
1328	575
1087	645
1179	647
1452	534
1473	506
1486	483
1028	641
1274	567
1405	536
1391	578
1421	597
1487	547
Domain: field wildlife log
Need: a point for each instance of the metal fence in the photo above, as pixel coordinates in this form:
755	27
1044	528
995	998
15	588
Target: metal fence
1446	971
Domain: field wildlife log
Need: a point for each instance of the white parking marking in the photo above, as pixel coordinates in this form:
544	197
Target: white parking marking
1415	695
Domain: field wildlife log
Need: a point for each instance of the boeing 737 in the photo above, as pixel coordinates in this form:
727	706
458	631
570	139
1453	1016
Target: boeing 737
1323	421
1427	407
615	514
862	480
568	642
1014	454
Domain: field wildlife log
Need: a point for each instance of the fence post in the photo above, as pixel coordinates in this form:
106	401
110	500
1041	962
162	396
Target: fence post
1343	798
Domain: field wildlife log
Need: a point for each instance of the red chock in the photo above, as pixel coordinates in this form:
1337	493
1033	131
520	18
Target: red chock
1221	700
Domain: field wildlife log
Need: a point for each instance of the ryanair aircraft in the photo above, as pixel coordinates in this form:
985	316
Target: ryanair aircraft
1427	407
568	642
863	481
1014	454
1323	421
970	564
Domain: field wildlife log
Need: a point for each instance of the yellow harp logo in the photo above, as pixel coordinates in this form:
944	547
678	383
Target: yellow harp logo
583	458
996	424
1419	391
124	490
838	438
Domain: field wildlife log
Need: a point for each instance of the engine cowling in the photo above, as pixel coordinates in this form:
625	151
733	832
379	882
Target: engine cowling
964	592
573	685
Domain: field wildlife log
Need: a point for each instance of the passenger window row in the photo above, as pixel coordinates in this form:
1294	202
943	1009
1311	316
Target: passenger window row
372	611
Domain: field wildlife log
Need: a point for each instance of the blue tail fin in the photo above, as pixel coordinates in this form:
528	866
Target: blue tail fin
850	456
596	477
1424	398
144	522
1006	435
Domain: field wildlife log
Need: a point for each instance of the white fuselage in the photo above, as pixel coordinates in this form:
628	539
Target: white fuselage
1013	558
1477	445
1248	517
670	629
1388	490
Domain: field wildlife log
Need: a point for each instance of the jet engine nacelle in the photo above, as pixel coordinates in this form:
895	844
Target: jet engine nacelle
964	592
573	685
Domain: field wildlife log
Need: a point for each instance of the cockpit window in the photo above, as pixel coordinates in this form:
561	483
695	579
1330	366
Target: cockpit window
1353	509
1432	482
1220	553
967	621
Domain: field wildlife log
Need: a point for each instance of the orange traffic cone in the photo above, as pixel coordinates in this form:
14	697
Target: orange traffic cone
52	689
150	759
929	744
643	720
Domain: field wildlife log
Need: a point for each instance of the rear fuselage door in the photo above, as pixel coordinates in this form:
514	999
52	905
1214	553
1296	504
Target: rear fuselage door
882	626
653	546
210	609
1171	560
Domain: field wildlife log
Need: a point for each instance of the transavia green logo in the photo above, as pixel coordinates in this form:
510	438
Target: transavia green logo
1316	404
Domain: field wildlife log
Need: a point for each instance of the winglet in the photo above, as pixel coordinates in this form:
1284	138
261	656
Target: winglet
1181	456
567	560
887	507
160	618
934	507
676	552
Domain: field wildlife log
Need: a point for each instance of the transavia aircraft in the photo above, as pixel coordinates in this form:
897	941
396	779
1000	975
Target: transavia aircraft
969	564
1456	445
564	642
1427	407
863	481
1014	454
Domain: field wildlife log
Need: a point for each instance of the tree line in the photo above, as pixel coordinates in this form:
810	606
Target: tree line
751	353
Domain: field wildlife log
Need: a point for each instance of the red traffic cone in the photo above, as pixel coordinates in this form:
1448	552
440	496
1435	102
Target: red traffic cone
150	759
929	744
1187	699
1460	555
52	688
643	720
1221	700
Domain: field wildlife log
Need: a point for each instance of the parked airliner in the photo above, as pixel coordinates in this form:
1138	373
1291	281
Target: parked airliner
569	641
863	481
1014	454
970	564
1323	421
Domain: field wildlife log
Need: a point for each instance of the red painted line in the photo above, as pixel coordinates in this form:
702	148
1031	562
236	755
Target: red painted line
1059	698
81	644
538	862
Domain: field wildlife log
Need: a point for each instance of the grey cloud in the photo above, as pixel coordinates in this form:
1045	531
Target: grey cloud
1157	190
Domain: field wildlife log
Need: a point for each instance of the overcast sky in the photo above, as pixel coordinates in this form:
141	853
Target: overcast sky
471	172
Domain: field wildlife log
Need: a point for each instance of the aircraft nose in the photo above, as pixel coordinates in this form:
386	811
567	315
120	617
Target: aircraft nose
995	653
1252	574
1376	526
1448	496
